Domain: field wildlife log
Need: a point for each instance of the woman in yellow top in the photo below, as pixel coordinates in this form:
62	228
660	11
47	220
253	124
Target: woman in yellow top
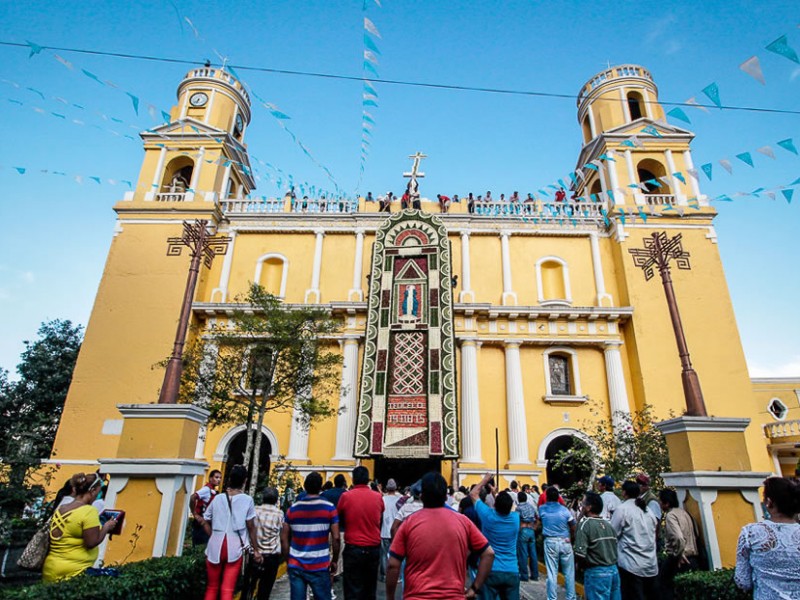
75	531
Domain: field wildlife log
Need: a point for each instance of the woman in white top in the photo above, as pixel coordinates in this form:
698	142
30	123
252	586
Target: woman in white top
229	519
768	553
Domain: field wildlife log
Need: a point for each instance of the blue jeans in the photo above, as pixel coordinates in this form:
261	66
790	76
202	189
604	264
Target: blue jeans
602	583
526	554
500	586
558	553
318	581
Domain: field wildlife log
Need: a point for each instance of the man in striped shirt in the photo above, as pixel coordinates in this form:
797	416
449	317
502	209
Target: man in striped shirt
310	524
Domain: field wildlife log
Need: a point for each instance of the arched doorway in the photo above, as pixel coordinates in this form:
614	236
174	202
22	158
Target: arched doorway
565	474
234	455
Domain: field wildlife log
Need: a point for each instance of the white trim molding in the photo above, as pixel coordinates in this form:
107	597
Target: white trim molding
221	452
284	272
540	284
576	374
164	411
717	424
149	467
541	455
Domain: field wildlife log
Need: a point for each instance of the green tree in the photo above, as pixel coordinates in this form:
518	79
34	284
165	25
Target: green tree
634	446
271	358
30	408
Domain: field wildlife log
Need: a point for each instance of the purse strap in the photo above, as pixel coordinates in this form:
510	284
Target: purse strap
230	510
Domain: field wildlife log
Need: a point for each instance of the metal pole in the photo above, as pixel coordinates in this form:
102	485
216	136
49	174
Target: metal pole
496	457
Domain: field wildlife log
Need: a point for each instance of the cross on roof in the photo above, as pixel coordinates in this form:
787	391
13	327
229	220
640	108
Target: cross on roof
415	172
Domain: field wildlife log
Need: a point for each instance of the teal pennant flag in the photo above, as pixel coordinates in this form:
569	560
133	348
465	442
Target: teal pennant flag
166	116
92	76
678	113
279	115
35	48
650	130
370	102
93	178
788	195
135	101
712	91
20	170
788	144
781	47
746	158
680	176
370	45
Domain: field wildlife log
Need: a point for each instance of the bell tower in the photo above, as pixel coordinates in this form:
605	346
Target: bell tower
641	160
200	155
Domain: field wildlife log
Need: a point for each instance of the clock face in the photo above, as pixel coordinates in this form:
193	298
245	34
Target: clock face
239	125
198	99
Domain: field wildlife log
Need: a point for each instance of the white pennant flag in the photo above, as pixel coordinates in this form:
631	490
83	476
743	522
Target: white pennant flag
726	164
691	101
370	26
370	56
753	68
766	151
693	173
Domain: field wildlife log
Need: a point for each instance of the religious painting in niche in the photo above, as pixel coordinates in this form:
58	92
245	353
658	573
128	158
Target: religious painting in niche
410	290
559	375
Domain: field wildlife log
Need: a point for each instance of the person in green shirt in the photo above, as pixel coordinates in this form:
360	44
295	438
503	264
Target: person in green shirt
596	551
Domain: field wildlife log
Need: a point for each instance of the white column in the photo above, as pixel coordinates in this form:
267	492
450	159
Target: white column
597	267
298	437
611	166
680	197
356	293
617	393
466	295
695	185
470	404
169	487
223	193
515	407
592	126
633	178
647	110
156	186
601	177
626	110
225	272
348	409
314	290
195	174
509	297
211	97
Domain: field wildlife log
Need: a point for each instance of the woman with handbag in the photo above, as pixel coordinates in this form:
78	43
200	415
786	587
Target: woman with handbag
227	519
75	531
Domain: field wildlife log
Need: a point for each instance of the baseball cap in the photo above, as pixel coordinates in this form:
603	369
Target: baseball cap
606	480
642	479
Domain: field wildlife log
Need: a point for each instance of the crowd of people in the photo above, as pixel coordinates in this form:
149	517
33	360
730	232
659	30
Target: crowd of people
432	541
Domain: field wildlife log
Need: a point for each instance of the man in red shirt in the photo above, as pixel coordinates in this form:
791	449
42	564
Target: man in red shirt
361	515
435	542
543	496
198	502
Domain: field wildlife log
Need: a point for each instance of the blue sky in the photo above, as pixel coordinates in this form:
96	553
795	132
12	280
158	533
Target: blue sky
58	230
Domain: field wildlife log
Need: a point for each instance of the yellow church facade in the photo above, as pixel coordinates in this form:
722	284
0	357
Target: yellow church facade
549	322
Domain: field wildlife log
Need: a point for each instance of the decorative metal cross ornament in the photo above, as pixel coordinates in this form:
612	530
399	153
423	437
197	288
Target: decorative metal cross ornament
413	185
658	251
201	246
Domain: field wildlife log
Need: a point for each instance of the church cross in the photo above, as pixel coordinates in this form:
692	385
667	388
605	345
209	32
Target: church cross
415	172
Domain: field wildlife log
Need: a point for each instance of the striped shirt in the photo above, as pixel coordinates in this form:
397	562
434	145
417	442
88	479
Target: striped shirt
269	522
310	520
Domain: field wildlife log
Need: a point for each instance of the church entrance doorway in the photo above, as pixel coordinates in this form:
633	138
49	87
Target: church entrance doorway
405	471
234	455
564	474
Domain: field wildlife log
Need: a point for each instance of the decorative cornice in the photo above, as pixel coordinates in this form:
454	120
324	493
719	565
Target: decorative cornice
736	480
692	424
164	411
152	467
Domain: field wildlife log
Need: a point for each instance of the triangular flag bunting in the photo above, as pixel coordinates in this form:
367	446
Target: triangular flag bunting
746	158
35	48
712	91
788	144
766	151
726	164
678	113
650	130
370	26
680	177
781	48
693	102
788	195
753	68
371	45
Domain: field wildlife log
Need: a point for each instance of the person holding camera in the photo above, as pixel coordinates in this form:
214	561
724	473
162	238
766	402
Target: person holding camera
228	520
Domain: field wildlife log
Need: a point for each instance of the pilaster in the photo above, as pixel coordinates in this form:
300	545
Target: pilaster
470	403
509	296
356	293
313	295
515	407
348	398
466	294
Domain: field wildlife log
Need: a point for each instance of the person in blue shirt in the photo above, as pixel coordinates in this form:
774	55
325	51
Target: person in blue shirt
501	528
558	528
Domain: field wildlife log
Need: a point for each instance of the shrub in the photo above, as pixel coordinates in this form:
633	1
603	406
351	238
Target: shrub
709	585
168	578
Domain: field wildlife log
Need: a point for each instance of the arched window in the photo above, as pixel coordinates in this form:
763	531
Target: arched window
587	129
552	281
230	192
596	188
635	105
650	171
562	376
272	271
177	175
561	468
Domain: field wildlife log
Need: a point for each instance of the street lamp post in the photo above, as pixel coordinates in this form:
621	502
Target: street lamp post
201	247
658	250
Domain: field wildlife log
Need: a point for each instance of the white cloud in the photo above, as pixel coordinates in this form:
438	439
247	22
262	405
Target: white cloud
789	368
